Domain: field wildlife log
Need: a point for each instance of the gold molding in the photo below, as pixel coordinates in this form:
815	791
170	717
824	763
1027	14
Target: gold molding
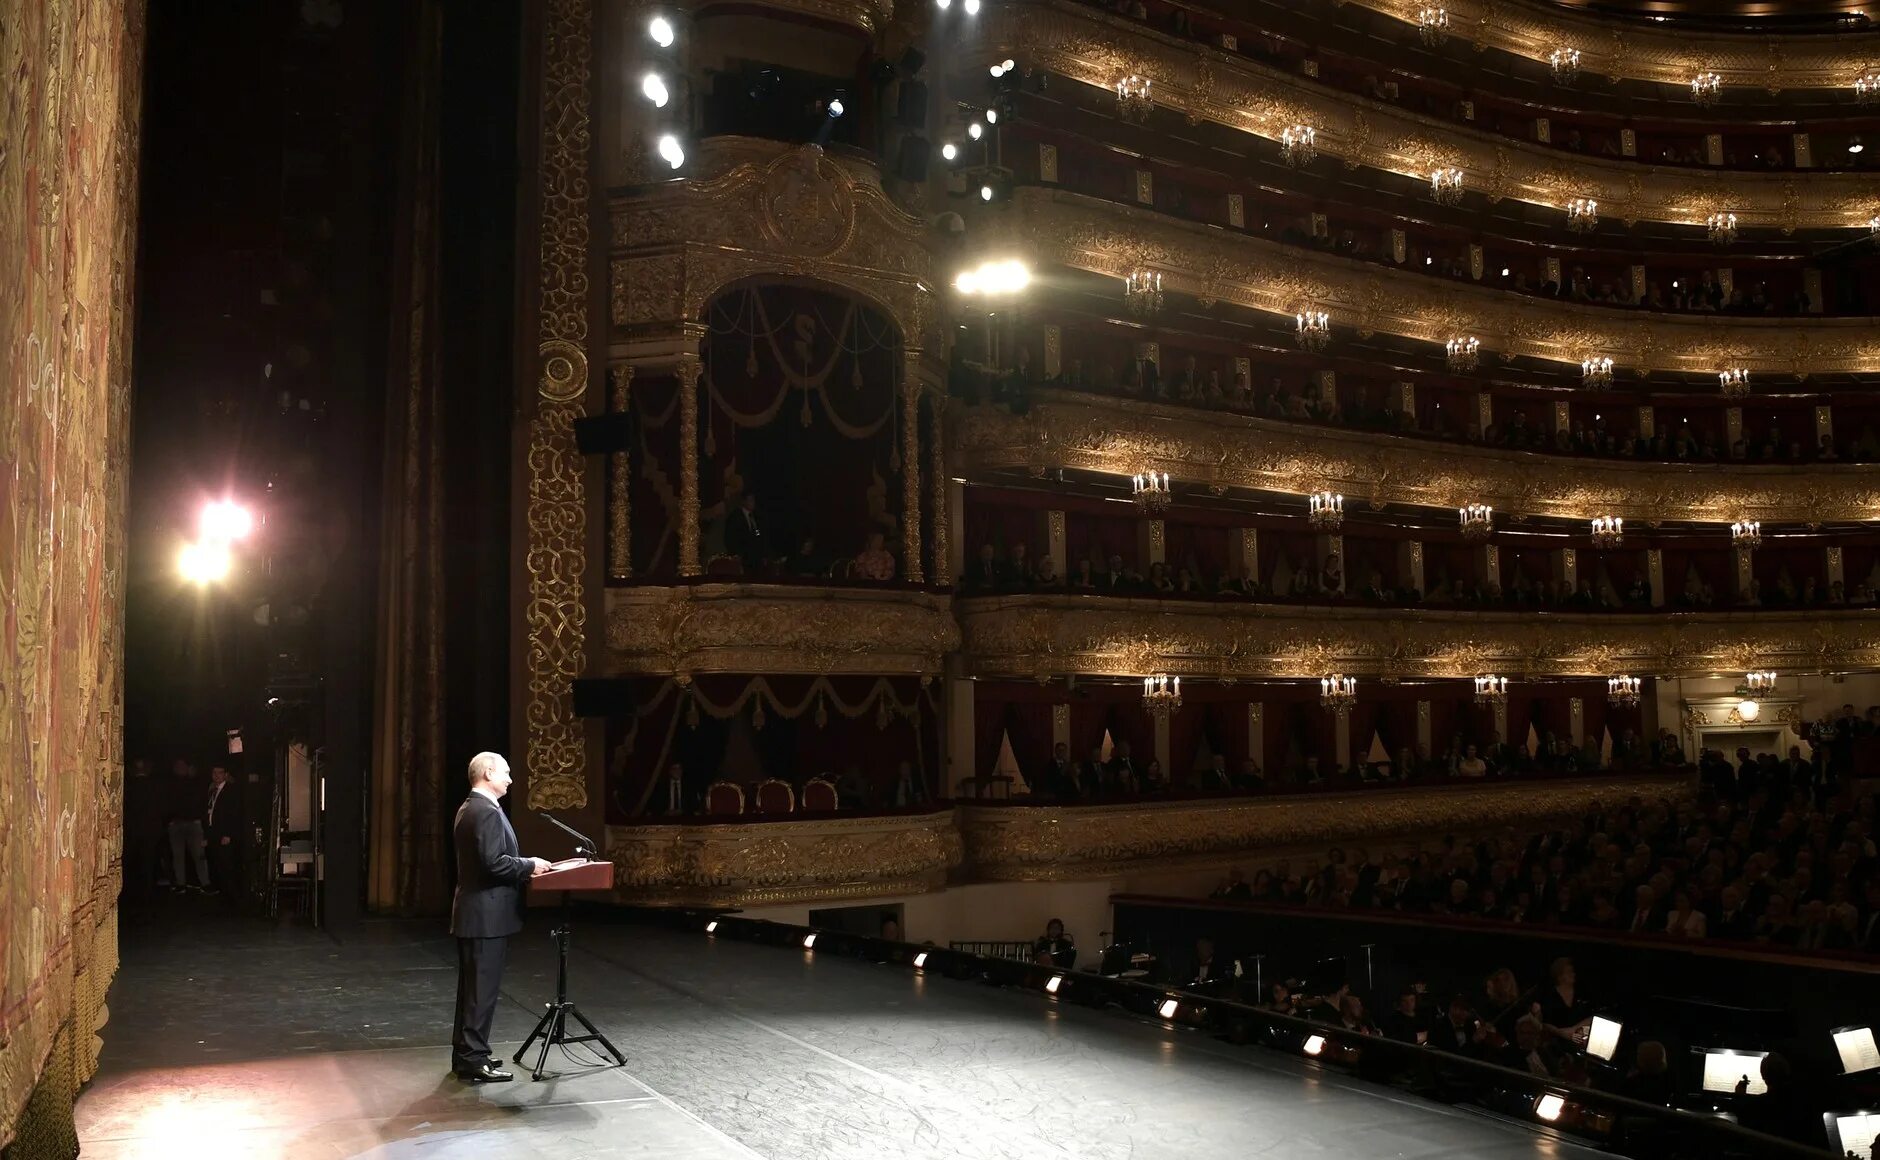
1051	843
775	628
1036	637
1123	436
554	615
1769	63
1205	83
1055	226
751	209
774	862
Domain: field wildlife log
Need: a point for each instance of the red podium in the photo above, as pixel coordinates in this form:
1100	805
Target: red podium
567	876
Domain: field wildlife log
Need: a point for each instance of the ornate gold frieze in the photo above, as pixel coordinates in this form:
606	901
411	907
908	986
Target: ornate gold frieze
1047	636
1205	83
1125	436
870	16
1053	226
767	863
764	209
774	628
1049	843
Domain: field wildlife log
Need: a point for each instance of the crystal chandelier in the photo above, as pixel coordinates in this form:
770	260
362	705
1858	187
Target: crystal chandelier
1582	215
1315	330
1446	185
1477	519
1433	25
1142	293
1706	88
1338	693
1462	353
1608	531
1133	99
1746	533
1722	228
1161	695
1596	372
1867	88
1152	492
1326	510
1566	64
1734	381
1491	690
1622	692
1298	145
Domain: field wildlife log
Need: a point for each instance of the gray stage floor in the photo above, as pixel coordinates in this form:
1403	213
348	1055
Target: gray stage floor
231	1039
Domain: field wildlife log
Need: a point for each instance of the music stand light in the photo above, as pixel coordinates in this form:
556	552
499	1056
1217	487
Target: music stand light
1852	1133
1602	1039
1857	1049
1725	1068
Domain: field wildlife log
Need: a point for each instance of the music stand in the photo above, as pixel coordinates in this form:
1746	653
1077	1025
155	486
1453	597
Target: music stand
577	873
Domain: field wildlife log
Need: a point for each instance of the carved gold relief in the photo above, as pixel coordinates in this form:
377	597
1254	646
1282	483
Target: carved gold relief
1121	437
1205	83
766	863
1045	636
1052	226
1044	843
770	628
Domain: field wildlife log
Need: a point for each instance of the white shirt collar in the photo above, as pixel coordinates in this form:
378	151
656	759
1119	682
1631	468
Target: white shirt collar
486	791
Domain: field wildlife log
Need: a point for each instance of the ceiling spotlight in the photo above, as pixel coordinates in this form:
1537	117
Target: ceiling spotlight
660	29
985	193
654	90
203	563
997	71
975	130
1008	64
943	5
949	151
225	520
972	7
992	116
835	108
670	150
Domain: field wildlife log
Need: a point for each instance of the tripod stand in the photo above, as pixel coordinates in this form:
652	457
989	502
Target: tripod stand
552	1028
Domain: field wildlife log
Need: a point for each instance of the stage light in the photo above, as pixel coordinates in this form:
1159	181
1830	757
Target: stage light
997	71
834	108
1856	1046
985	193
920	960
670	150
1602	1039
1008	64
972	7
992	116
1314	1044
654	90
1549	1107
711	927
660	29
949	151
224	520
1052	984
203	563
1168	1008
809	940
975	130
993	279
943	5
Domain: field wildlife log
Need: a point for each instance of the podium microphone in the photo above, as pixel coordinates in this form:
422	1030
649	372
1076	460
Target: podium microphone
584	846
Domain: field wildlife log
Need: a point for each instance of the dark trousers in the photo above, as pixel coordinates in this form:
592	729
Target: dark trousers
479	978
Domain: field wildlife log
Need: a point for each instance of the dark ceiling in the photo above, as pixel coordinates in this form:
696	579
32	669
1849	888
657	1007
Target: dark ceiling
1764	16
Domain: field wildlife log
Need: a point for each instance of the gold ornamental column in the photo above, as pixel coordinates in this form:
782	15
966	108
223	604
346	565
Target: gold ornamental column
688	464
937	404
910	465
619	488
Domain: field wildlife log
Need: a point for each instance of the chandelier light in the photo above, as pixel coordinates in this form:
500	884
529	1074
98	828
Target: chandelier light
1873	225
1134	101
1867	88
1142	293
1734	381
1706	88
1491	690
1433	24
1462	353
1326	510
1565	62
1759	684
1582	215
1477	520
1161	694
1596	372
1722	227
1446	185
1608	531
1152	492
1298	145
1622	692
1746	533
1338	693
1314	330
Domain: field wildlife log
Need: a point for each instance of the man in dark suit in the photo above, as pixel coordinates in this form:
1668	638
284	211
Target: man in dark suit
222	823
487	909
743	538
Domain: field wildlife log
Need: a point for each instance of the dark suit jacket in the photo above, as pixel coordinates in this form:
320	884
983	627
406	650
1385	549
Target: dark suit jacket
227	822
743	538
491	872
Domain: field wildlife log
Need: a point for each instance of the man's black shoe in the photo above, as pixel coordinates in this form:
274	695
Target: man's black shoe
488	1073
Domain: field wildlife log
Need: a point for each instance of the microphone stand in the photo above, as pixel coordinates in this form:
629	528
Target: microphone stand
583	845
552	1029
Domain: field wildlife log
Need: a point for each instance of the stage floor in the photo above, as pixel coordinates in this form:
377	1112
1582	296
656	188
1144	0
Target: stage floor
234	1039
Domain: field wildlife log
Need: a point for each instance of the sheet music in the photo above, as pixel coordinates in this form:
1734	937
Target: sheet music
567	863
1724	1070
1858	1132
1857	1048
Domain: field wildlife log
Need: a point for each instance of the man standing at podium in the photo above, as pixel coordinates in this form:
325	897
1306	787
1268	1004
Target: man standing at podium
487	909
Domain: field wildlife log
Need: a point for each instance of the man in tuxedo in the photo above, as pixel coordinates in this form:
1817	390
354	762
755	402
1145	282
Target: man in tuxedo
486	910
1062	780
743	538
988	572
222	824
1125	778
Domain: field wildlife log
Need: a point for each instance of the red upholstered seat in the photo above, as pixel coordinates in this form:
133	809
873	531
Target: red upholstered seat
775	797
724	566
819	794
723	797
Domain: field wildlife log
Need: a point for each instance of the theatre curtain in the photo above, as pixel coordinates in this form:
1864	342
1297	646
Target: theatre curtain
70	104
